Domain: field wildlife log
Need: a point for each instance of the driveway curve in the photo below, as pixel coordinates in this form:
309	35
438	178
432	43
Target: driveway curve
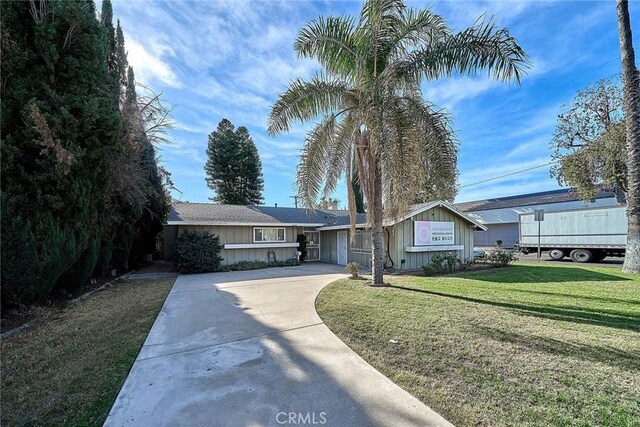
249	349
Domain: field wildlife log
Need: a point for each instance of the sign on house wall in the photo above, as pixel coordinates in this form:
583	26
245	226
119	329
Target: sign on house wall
431	233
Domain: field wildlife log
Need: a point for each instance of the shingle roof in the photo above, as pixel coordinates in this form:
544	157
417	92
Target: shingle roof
555	196
185	212
361	219
209	213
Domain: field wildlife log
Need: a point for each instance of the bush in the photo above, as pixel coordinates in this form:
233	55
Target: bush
257	265
447	262
501	258
302	248
444	263
428	270
197	252
353	268
248	265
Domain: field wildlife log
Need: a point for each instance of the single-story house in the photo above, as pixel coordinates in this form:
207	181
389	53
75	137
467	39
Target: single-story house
250	233
500	215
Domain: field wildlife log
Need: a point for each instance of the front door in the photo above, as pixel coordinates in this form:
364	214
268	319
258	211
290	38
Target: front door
313	245
342	247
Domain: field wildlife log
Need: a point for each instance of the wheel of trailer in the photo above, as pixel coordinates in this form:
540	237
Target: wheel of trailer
556	254
581	255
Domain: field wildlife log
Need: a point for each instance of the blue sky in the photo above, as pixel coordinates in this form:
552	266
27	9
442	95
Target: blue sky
230	59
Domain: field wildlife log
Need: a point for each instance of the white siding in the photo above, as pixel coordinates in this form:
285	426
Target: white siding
510	215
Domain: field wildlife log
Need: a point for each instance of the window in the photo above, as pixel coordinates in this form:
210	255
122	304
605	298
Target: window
361	241
271	234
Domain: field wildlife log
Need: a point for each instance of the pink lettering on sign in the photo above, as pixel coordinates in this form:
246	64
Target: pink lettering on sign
428	233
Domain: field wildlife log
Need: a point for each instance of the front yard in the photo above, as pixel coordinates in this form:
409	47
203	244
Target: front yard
69	370
527	345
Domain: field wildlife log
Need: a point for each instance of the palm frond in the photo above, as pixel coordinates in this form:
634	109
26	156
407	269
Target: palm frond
306	100
339	157
313	160
480	47
330	41
418	27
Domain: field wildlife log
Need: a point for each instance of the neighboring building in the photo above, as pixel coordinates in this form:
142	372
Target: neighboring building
500	215
250	233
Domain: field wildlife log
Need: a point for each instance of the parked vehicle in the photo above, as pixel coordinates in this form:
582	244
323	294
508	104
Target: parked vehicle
479	252
585	235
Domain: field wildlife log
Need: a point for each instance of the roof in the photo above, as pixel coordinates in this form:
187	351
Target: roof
361	220
186	213
545	197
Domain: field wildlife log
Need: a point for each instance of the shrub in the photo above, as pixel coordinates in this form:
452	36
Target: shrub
447	262
197	252
257	265
302	248
498	243
353	268
248	265
428	270
501	258
290	262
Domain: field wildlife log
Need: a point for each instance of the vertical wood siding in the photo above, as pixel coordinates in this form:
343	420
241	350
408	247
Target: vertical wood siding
244	234
404	237
329	246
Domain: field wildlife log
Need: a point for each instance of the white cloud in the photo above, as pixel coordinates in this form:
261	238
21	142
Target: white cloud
526	149
150	67
448	93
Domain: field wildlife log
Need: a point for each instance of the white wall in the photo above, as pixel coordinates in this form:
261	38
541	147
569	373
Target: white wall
510	215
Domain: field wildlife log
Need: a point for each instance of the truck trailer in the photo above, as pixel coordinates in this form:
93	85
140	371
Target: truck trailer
585	235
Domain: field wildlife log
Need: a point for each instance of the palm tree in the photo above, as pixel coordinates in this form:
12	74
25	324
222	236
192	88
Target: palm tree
631	81
374	118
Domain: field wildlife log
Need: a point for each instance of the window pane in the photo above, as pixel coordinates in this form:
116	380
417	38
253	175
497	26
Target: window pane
362	241
257	234
280	234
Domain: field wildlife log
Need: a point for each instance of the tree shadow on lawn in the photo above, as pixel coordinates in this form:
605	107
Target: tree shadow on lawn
540	274
578	297
618	320
593	353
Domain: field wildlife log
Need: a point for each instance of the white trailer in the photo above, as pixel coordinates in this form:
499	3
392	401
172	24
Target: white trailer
585	235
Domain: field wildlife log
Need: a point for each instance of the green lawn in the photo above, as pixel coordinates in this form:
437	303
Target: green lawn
532	344
68	370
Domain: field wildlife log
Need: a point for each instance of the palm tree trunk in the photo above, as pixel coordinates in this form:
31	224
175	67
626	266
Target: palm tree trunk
631	83
376	238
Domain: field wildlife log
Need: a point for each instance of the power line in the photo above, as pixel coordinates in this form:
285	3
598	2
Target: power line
509	174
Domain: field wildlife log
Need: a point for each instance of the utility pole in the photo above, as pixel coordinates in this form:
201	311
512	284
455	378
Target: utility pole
295	200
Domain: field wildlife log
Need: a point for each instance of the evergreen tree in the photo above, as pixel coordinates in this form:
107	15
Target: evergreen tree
357	192
233	168
58	127
81	187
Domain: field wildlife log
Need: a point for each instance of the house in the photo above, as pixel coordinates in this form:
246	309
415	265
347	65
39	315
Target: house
250	233
500	215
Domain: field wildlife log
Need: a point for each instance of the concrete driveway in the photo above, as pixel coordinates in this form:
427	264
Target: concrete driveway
248	349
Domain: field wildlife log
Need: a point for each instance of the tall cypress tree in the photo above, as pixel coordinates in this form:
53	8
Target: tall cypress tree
58	127
79	170
233	168
357	192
